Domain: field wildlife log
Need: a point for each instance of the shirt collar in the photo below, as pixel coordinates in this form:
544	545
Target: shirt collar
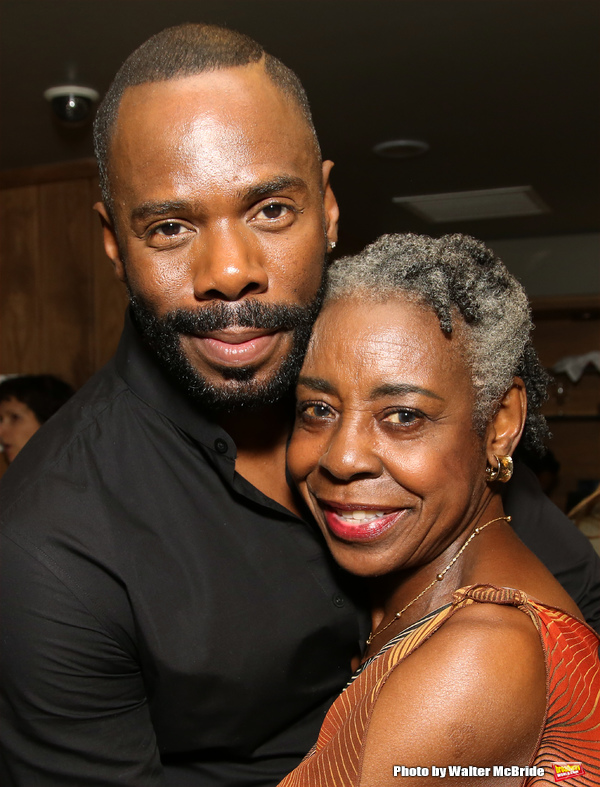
139	367
141	371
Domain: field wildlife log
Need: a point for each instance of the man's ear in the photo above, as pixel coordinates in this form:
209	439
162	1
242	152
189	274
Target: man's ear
111	247
332	212
507	426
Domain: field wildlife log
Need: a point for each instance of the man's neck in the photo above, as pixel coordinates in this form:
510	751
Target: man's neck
261	437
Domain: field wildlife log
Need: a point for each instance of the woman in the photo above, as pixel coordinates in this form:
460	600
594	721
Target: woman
419	382
26	402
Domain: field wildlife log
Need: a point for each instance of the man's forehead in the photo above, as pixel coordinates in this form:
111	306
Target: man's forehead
231	126
241	95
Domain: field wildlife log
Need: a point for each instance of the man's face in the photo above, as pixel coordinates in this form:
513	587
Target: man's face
222	218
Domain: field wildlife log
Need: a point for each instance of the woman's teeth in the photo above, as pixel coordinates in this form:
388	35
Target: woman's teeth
361	516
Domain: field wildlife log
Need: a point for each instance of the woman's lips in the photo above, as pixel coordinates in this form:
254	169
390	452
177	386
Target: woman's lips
8	450
360	524
235	348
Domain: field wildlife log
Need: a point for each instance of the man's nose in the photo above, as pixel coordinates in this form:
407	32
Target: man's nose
351	453
230	267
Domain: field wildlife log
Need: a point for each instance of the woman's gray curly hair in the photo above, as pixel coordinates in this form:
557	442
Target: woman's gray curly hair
458	277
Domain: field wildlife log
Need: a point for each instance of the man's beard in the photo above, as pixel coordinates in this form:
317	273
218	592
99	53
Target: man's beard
163	335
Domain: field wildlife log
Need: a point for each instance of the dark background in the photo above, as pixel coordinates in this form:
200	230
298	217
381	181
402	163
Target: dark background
505	92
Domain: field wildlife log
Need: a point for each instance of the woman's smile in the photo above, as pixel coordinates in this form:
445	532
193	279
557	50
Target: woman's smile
359	523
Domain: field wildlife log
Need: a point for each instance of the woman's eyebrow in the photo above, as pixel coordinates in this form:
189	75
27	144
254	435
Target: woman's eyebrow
316	384
400	389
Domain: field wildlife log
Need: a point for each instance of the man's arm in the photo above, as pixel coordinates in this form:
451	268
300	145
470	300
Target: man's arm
73	705
561	547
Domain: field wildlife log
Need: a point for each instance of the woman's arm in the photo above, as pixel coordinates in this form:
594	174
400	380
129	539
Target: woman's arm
472	695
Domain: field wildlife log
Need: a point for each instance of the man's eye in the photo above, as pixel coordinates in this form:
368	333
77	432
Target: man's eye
274	211
402	417
170	229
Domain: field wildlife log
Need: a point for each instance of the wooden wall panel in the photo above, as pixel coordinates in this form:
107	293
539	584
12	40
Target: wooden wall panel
571	327
557	338
61	307
65	287
20	327
109	296
576	445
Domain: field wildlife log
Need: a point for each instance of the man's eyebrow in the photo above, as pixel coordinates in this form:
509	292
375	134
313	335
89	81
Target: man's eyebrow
268	187
147	210
316	384
400	389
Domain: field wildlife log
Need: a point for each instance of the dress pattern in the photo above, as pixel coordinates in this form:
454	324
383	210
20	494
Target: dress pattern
570	731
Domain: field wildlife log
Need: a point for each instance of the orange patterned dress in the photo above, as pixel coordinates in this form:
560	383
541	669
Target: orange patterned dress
571	729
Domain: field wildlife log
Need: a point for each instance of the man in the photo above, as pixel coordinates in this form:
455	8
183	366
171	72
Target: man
172	617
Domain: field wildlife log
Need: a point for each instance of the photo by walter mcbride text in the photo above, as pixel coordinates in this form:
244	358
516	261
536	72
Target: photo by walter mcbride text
470	770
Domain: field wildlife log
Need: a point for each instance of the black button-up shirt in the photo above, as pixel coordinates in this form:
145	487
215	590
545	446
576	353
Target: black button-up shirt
166	622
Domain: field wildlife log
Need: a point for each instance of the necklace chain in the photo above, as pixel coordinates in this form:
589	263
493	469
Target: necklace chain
438	577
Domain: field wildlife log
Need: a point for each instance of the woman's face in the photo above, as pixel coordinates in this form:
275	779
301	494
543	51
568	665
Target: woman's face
17	424
383	449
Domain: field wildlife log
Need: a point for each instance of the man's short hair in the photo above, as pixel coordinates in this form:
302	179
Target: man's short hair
182	51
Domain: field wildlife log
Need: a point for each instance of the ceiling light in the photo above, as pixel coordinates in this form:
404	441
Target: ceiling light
401	148
473	205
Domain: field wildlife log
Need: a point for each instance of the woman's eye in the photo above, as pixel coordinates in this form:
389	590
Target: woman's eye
316	410
402	417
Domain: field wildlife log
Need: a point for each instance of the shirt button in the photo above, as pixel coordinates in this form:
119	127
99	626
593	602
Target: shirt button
338	600
221	446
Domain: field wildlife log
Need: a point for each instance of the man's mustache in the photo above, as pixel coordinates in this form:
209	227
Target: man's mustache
246	314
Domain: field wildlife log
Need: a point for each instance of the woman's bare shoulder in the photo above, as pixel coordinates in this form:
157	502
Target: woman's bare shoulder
473	694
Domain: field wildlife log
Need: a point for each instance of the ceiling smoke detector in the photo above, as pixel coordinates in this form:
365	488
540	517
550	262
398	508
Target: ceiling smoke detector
71	104
401	148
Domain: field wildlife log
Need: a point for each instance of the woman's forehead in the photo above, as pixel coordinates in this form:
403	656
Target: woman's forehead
392	338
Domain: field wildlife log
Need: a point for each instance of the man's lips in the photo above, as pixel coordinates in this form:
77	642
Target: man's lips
357	522
236	347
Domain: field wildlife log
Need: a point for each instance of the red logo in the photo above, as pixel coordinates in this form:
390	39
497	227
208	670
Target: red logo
564	770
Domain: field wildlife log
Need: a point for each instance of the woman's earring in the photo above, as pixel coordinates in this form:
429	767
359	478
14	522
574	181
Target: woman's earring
503	470
332	244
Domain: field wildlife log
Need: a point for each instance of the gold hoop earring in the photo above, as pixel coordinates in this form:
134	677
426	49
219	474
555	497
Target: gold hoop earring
503	470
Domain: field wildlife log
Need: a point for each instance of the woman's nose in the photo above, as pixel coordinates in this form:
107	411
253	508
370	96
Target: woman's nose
230	267
351	453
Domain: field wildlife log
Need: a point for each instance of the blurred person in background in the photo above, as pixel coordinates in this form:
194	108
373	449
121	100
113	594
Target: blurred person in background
26	402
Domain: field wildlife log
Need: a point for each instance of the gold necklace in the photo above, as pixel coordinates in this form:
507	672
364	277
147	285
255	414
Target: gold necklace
438	577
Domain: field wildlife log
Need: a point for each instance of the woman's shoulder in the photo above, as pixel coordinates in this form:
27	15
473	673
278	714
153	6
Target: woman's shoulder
477	686
486	627
552	615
